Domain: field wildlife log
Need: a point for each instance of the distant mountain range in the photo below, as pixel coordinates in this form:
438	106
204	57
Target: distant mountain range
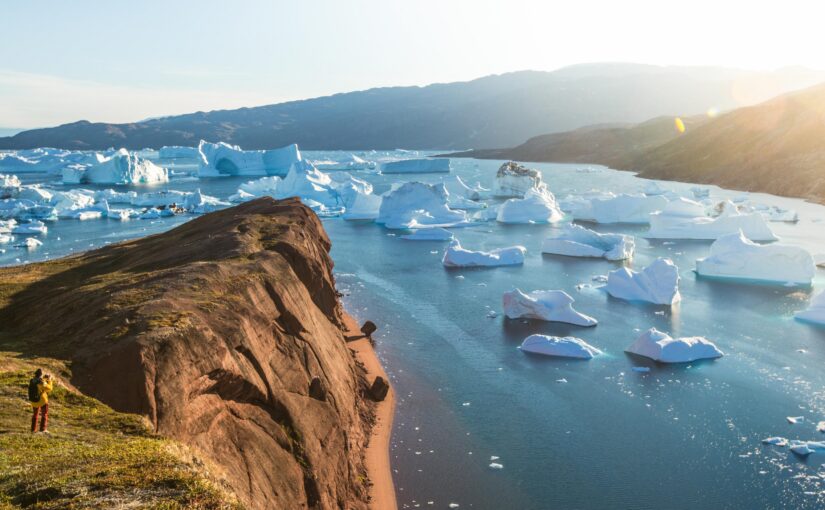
777	147
494	111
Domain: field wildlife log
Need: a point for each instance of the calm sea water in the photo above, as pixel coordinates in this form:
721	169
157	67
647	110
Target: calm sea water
677	437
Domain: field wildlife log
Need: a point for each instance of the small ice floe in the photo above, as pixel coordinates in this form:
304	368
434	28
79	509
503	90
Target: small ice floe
494	457
642	370
621	209
465	404
793	420
492	314
735	256
658	283
496	465
815	312
546	305
776	441
805	448
686	219
577	241
599	278
456	256
820	427
562	380
453	505
564	347
33	227
662	347
30	243
429	234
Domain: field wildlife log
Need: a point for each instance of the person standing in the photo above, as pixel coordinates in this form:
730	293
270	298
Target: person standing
39	387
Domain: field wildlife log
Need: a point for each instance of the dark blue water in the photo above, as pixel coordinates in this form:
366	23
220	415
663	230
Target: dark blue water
677	437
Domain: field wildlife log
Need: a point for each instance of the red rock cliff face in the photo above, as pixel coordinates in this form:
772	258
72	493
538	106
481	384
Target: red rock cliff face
215	331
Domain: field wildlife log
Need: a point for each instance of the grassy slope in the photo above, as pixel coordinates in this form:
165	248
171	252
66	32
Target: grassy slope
94	458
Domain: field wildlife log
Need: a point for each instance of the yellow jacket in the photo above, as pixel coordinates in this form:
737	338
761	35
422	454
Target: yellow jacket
44	387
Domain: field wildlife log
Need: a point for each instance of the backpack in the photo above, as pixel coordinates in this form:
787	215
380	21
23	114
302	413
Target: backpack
34	391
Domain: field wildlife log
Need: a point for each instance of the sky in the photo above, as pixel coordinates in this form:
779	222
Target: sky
118	61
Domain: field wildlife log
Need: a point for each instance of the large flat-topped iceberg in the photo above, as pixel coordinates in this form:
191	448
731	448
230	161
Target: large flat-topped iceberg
416	205
349	162
456	256
679	221
121	167
734	256
815	312
537	206
514	180
416	166
563	347
658	283
545	305
662	347
44	160
221	159
178	152
577	241
635	209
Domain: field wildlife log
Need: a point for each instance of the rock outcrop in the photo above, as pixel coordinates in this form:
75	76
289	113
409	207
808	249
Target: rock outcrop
227	334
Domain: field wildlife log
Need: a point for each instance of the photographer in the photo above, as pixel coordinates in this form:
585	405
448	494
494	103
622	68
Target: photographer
39	387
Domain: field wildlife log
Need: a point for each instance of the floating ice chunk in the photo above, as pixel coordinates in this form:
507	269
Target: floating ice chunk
29	243
88	215
634	209
776	441
9	186
456	186
159	198
793	420
658	283
700	192
577	241
121	167
805	448
496	465
654	188
734	256
545	305
178	152
198	203
675	224
564	347
642	370
429	234
456	256
364	206
815	312
35	193
514	180
344	162
779	215
116	197
221	159
662	347
30	228
150	214
537	206
418	205
820	427
416	166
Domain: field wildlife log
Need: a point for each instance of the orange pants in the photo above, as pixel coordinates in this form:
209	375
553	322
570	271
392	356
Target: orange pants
44	417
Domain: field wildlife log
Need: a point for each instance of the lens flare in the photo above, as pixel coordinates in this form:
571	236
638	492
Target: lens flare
680	126
712	112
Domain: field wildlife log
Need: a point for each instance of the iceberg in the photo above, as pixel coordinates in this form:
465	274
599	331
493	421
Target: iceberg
349	162
456	256
5	238
537	206
198	203
735	256
116	197
30	228
679	222
625	208
456	186
545	305
416	205
658	283
416	166
577	241
513	180
564	347
159	198
662	347
429	234
776	441
178	152
222	159
46	160
363	206
805	448
815	312
121	167
9	186
29	243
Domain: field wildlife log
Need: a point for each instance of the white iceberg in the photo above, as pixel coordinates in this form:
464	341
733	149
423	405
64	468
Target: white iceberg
9	186
178	152
805	448
198	203
734	256
815	312
577	241
662	347
456	256
29	243
580	206
700	192
121	167
116	197
658	283
345	162
221	159
675	222
537	206
545	305
456	186
513	180
776	441
30	228
635	209
429	234
160	198
35	193
565	347
5	238
416	205
363	206
416	166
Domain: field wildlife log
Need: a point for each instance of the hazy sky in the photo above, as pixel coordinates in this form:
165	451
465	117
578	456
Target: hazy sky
119	61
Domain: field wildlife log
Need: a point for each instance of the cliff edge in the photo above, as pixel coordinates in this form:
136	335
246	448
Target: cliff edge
226	333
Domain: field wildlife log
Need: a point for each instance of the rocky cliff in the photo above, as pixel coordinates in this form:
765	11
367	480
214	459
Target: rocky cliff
227	334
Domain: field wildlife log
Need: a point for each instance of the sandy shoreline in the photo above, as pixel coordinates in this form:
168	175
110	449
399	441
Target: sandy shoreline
382	490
